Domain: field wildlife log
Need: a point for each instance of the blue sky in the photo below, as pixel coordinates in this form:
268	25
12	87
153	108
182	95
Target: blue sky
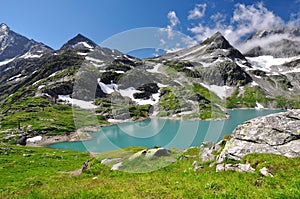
56	21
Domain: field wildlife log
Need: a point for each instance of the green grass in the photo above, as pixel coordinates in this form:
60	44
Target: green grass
255	94
25	169
41	116
41	175
174	101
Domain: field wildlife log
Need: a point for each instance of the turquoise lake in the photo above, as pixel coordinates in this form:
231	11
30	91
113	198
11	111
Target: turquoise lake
162	132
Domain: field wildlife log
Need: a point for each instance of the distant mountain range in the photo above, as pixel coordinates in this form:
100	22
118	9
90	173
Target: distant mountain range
197	82
282	42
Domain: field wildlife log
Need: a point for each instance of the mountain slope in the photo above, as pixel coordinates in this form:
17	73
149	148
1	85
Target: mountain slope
13	45
39	95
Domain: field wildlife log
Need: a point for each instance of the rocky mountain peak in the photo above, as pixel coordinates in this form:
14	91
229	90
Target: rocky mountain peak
79	42
13	45
3	28
208	51
217	41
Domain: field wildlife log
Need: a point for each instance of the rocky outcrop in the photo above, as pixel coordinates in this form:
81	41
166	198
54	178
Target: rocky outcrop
265	172
149	153
208	150
235	167
116	166
225	74
22	140
275	134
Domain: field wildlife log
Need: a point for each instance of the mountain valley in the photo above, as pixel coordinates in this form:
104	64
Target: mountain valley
49	92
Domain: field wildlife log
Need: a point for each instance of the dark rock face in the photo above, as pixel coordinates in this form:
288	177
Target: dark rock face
86	86
217	41
151	88
128	61
142	95
147	91
276	134
78	43
259	73
116	67
64	88
110	77
226	73
22	140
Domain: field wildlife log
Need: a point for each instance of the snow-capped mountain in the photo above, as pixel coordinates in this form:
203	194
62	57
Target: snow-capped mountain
281	42
13	45
79	42
211	50
214	61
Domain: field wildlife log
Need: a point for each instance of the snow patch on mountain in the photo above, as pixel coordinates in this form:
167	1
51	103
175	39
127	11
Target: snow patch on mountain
29	55
107	88
6	61
155	68
265	62
221	91
259	106
296	70
14	77
94	60
86	44
82	54
75	102
128	92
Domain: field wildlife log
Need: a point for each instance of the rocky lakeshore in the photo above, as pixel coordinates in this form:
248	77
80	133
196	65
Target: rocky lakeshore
277	134
79	135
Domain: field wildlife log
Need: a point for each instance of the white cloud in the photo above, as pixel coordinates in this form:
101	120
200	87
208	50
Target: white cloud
173	18
188	41
218	17
245	47
174	21
198	12
294	19
246	19
253	18
171	39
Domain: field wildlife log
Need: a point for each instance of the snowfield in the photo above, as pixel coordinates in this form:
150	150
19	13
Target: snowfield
6	61
155	68
28	55
107	88
75	102
94	60
265	62
221	91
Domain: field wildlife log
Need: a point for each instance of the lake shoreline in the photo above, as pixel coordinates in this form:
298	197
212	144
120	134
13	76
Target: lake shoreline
84	134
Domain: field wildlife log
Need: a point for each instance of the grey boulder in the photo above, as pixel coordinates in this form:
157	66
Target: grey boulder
275	134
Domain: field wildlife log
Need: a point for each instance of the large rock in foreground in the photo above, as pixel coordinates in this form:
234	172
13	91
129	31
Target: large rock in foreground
276	134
